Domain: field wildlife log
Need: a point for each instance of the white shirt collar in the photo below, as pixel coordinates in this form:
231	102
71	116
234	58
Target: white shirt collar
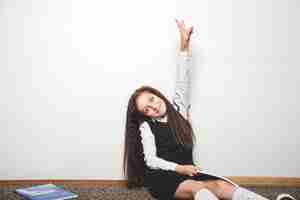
160	119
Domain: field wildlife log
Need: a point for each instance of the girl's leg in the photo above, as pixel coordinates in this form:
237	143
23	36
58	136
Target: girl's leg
240	193
188	188
244	194
221	188
205	194
197	190
225	190
218	189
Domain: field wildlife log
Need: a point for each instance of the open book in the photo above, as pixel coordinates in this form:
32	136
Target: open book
218	176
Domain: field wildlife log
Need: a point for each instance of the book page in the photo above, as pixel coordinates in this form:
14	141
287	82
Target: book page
218	176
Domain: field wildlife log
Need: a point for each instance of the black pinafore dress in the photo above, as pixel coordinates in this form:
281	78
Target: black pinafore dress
162	184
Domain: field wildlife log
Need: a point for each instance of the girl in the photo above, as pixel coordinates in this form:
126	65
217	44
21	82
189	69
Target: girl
159	142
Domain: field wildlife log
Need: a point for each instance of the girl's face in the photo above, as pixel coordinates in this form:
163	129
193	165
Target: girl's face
151	105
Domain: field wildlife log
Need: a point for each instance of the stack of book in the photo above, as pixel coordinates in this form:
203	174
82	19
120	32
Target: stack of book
45	192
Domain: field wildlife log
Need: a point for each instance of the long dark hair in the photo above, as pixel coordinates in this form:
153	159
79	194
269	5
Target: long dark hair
133	160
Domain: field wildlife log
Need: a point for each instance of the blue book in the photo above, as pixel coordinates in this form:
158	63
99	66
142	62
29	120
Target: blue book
45	192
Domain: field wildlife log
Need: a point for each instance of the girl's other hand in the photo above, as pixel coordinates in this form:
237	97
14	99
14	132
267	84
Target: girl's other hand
185	35
189	170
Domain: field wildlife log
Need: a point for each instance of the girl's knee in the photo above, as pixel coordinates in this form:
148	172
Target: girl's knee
188	188
224	186
193	186
224	190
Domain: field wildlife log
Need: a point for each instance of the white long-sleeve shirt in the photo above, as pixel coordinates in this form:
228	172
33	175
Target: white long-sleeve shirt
181	103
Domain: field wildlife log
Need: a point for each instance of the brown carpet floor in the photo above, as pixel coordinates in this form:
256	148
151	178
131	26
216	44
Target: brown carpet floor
121	193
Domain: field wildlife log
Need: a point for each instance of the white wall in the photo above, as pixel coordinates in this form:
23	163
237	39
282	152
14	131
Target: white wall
67	69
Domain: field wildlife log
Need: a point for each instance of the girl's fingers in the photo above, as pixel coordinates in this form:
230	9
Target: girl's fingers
178	23
195	173
190	30
185	33
176	20
183	25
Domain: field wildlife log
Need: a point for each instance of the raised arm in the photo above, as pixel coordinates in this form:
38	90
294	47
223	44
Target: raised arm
181	103
181	97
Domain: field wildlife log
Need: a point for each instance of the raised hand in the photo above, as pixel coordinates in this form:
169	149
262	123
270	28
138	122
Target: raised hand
185	35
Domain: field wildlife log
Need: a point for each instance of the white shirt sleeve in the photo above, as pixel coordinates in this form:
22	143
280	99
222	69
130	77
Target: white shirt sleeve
181	97
150	157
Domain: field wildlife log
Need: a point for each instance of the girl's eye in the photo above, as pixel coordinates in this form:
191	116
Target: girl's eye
151	99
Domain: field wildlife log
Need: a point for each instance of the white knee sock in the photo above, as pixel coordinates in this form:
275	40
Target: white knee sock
241	193
284	196
205	194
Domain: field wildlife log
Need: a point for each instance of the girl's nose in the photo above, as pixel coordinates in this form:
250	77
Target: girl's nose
154	107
